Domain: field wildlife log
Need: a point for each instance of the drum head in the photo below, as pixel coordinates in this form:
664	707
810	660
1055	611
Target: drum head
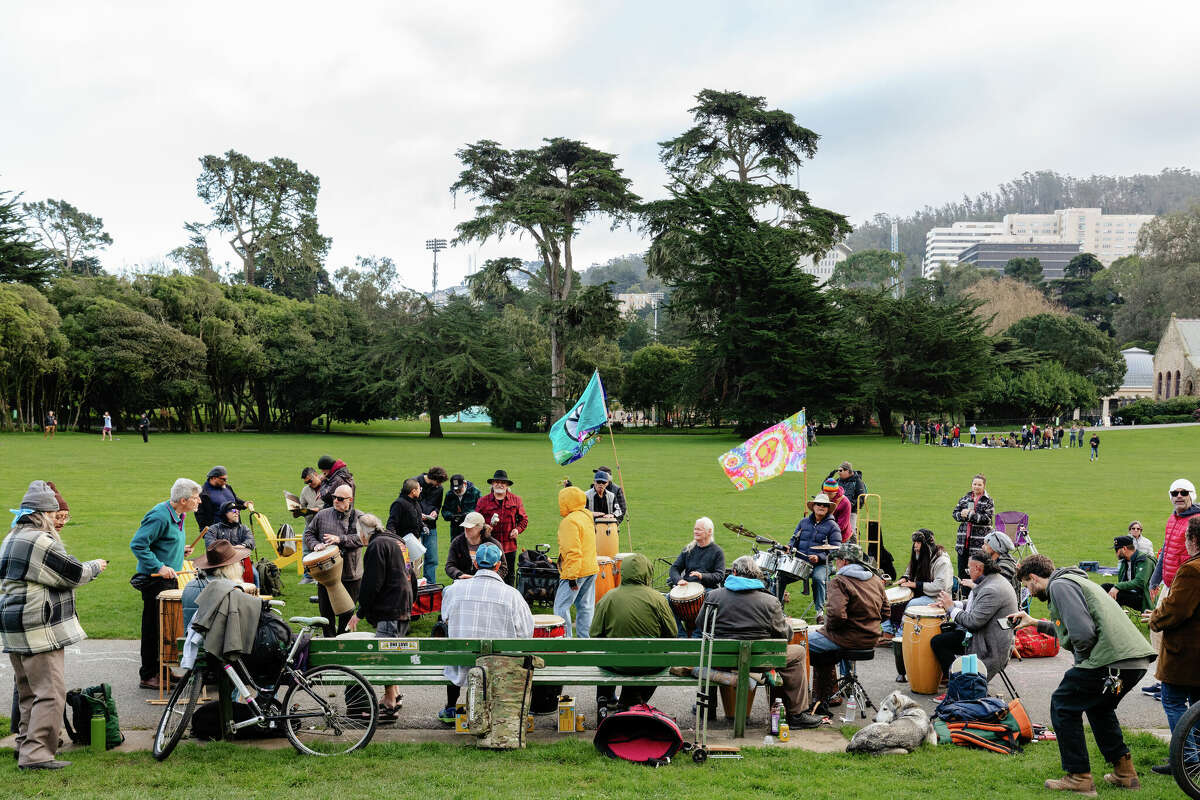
547	620
603	560
899	594
689	591
171	594
924	611
317	556
798	624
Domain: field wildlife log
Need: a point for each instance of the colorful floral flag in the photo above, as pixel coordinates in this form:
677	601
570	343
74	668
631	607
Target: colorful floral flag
783	447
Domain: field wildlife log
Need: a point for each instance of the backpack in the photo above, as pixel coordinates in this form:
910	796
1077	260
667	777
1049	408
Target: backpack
643	735
998	736
270	579
537	575
284	537
81	705
1032	644
272	641
206	723
985	709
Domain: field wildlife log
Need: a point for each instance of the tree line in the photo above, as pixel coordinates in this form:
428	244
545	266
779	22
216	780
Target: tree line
744	338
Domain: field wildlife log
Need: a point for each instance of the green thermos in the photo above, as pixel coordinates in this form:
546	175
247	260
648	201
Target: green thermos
98	733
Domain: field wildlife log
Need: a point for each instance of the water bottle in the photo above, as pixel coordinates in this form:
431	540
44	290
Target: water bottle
775	711
851	709
242	693
98	732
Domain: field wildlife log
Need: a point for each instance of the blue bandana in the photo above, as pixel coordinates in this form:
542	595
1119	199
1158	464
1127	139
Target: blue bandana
18	513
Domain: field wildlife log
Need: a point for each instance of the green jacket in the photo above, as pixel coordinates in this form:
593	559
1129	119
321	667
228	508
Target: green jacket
1135	574
159	540
1090	624
633	609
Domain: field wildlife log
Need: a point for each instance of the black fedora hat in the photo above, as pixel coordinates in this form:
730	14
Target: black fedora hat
500	475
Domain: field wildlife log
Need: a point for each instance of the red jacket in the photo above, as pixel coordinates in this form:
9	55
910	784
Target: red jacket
513	519
1173	552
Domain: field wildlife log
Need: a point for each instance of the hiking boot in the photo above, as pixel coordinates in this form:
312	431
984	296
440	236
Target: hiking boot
1162	769
446	715
1080	782
1123	774
52	764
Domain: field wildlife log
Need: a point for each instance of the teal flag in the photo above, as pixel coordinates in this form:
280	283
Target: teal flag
571	436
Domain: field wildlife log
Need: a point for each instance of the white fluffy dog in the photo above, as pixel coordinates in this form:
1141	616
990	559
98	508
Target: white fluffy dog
901	726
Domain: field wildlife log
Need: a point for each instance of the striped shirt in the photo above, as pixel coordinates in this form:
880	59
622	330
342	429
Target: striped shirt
484	607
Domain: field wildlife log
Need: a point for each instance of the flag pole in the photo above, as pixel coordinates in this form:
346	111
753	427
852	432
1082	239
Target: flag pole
621	479
804	433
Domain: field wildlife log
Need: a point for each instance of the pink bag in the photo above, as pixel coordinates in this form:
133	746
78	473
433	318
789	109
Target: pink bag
643	735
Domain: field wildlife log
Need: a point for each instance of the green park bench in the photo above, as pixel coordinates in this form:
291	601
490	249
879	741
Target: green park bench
569	662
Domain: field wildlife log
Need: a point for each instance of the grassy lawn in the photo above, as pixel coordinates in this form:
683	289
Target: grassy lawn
563	769
1076	507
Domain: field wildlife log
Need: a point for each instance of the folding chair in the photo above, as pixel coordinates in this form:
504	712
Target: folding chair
1016	525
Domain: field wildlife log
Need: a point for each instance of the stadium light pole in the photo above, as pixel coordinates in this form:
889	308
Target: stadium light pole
436	245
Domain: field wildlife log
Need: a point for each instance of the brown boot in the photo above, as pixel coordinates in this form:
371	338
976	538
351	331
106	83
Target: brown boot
1080	782
1123	774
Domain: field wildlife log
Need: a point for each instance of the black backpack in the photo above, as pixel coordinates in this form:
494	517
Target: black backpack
81	705
272	641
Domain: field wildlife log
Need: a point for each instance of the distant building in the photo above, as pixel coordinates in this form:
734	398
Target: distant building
1107	236
823	268
1177	360
945	245
637	300
1137	384
995	252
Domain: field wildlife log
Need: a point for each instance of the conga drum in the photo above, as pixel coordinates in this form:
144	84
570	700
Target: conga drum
921	624
170	630
606	538
604	578
617	561
544	699
799	631
326	568
686	601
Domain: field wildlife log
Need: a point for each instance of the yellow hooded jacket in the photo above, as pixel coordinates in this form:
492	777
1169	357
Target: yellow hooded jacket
576	536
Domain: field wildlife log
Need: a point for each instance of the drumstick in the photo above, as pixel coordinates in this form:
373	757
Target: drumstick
198	538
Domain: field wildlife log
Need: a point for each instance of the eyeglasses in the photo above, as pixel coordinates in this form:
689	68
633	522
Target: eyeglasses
1179	492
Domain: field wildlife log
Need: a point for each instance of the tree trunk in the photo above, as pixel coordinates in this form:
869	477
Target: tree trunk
435	421
558	367
885	421
264	408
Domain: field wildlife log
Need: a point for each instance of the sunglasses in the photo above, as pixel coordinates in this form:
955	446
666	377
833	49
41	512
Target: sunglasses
1135	529
1179	492
343	499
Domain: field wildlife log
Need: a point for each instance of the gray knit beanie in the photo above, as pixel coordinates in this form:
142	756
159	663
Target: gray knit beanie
999	542
39	497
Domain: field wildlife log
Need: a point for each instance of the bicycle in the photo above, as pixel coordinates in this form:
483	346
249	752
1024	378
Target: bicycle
326	710
1185	752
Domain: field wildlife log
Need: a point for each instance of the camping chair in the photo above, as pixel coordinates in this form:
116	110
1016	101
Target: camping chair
290	544
1016	525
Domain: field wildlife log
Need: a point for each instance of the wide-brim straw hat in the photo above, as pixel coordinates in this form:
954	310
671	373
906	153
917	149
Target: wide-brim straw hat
822	499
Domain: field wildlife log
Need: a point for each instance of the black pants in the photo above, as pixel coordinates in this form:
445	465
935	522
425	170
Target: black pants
963	558
630	695
1081	691
145	433
151	646
1131	598
947	647
327	609
510	561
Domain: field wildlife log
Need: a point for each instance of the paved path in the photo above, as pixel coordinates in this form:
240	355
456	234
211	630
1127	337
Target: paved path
115	661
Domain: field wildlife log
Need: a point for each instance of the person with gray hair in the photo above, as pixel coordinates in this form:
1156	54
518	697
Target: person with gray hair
702	560
998	547
37	622
160	548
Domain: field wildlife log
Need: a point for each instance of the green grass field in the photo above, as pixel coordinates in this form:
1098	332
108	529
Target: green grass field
565	769
1076	507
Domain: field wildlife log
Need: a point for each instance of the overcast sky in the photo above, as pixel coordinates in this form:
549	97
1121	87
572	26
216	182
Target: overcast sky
109	105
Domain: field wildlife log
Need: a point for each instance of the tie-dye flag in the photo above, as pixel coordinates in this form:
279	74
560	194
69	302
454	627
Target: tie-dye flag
783	447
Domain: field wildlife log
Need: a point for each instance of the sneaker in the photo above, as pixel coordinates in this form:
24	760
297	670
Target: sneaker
149	683
940	697
446	715
52	764
803	720
1161	769
307	579
1154	691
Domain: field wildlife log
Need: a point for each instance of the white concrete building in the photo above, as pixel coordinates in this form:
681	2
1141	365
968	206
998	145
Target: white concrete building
823	268
943	245
1106	236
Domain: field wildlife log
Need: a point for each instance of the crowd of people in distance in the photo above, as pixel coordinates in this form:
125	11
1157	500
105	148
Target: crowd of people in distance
1031	436
982	590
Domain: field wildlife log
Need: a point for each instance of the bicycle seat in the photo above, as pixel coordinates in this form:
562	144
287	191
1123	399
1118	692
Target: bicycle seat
309	621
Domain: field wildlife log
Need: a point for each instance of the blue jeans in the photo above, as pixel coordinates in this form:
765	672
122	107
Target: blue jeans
584	600
391	628
923	600
819	645
429	542
1175	701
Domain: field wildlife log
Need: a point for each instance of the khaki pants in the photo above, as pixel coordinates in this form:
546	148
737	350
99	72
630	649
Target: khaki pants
795	681
42	693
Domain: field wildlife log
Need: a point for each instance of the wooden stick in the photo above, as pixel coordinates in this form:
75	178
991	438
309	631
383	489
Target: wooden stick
621	479
198	538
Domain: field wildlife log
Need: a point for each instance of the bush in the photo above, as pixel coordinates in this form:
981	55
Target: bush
1166	419
1148	412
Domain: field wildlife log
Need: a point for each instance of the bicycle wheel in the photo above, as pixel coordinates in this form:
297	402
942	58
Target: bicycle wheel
1185	752
320	722
177	714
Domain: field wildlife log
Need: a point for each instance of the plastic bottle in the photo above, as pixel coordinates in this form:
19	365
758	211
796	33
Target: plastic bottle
775	715
242	693
851	709
99	738
784	730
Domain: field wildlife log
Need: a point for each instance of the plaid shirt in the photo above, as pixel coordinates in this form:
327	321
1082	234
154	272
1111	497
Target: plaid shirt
484	607
37	591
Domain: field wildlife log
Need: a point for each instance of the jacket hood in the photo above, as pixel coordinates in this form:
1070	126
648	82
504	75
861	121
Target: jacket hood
636	569
856	571
1061	571
1189	511
571	498
737	583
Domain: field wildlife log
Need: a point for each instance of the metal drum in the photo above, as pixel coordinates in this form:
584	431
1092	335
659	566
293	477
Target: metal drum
767	560
796	567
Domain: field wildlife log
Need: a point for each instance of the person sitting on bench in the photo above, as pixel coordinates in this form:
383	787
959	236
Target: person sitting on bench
1132	588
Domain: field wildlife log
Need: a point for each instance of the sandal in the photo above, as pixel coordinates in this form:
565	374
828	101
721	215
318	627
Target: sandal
388	713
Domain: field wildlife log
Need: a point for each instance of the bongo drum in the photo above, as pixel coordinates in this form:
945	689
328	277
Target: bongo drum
549	626
686	601
326	568
921	624
604	578
606	538
767	560
795	567
617	559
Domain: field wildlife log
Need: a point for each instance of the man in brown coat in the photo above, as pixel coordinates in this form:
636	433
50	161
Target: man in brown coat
855	606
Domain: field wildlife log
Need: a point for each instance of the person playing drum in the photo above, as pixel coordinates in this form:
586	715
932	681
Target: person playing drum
990	601
460	561
930	572
338	527
702	561
818	528
602	500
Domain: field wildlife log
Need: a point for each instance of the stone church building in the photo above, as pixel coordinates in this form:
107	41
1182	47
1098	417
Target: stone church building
1177	360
